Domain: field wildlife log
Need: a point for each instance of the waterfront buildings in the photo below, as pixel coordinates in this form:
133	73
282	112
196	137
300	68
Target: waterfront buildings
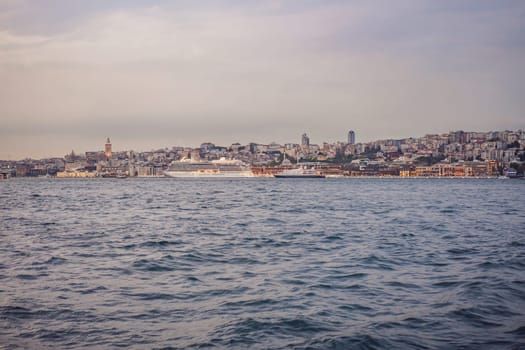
457	153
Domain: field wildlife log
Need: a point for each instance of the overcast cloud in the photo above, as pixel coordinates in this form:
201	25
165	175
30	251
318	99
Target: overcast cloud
153	74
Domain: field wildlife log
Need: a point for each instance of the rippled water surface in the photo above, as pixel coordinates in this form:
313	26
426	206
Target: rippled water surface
262	263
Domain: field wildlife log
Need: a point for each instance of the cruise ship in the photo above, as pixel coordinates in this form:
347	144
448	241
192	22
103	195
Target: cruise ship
214	168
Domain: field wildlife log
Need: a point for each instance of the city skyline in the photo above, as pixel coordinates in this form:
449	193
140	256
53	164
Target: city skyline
156	74
304	140
455	154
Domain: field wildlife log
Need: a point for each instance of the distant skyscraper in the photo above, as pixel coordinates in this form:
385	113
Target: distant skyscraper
107	149
305	140
351	137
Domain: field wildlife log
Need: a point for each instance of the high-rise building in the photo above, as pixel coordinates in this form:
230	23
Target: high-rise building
305	140
351	137
107	149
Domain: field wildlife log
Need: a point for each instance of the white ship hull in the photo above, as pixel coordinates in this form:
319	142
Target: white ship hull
208	174
221	168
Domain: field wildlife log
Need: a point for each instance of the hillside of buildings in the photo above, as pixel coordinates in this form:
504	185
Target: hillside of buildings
457	153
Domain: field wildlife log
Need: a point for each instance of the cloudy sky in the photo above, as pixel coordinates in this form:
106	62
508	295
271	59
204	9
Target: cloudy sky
153	74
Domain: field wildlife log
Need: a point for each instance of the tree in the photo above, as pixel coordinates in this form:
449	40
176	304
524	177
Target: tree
429	160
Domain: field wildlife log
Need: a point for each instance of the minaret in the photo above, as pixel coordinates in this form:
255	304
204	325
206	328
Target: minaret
107	150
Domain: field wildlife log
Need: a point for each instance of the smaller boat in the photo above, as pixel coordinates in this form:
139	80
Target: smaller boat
513	174
300	173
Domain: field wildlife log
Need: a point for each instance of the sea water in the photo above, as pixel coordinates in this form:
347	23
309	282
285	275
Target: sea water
262	263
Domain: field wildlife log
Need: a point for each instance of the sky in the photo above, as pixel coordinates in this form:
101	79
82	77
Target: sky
155	74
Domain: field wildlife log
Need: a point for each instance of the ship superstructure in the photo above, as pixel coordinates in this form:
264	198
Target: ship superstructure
215	168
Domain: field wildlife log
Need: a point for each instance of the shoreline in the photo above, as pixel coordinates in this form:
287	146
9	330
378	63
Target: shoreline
270	177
